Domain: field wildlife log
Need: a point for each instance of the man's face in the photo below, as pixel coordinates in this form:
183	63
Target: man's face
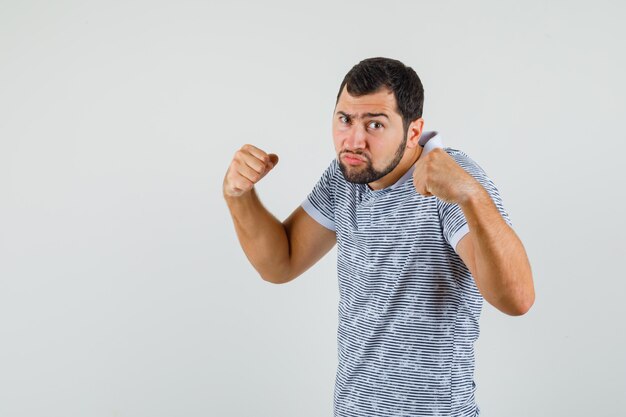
368	135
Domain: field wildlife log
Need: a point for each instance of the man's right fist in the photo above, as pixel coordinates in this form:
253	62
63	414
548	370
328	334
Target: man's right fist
249	165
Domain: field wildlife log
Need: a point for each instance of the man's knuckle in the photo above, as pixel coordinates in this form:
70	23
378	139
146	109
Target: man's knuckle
239	154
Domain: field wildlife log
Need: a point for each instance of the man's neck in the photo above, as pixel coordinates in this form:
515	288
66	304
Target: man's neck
408	160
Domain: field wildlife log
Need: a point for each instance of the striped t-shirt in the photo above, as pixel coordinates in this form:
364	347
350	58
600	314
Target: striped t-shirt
408	305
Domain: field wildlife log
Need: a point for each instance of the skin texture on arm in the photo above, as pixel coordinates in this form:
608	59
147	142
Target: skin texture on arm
278	251
496	257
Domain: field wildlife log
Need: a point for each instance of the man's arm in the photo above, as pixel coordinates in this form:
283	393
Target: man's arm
495	256
278	251
491	250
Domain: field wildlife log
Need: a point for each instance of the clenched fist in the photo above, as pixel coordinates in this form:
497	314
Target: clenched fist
248	166
438	174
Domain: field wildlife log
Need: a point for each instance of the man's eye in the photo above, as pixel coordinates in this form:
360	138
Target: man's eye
344	119
375	125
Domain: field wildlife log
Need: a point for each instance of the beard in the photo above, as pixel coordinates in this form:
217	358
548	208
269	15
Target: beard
367	174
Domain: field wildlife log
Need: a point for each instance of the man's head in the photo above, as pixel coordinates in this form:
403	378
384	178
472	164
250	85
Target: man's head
379	107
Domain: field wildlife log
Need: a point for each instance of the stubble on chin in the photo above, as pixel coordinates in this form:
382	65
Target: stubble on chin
361	175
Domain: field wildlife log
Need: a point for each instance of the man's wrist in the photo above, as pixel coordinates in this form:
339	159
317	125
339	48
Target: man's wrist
243	198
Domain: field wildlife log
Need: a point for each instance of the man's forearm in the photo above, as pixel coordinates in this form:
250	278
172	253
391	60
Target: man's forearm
503	273
262	237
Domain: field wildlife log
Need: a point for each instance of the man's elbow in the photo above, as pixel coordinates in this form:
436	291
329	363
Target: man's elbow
521	304
276	277
522	307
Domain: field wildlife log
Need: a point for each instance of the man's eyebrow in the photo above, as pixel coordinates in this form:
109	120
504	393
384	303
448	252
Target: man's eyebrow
363	115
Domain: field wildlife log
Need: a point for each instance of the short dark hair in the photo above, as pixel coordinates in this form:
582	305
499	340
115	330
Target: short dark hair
369	75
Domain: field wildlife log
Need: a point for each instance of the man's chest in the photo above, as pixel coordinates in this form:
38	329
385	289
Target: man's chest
394	221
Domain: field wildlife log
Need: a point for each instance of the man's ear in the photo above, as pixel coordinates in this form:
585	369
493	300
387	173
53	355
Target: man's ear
414	133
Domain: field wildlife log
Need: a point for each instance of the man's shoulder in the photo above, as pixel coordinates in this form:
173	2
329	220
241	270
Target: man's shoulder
334	165
332	180
464	160
456	153
333	175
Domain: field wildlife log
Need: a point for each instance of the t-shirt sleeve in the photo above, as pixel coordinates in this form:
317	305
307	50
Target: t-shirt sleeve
453	221
320	203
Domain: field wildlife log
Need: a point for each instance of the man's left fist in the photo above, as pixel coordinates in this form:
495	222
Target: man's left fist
438	174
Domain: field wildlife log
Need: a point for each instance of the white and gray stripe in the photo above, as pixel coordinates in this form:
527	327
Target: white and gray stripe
409	307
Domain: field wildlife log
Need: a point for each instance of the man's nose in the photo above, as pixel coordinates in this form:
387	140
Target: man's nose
356	138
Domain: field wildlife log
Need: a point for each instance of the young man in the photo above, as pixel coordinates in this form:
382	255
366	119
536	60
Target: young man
422	238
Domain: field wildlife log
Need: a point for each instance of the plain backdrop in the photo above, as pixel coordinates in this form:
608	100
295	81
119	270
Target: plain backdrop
123	288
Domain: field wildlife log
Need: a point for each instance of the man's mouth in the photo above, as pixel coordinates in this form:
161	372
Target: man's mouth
352	159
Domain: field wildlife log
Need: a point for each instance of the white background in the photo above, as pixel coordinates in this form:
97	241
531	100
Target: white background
123	289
